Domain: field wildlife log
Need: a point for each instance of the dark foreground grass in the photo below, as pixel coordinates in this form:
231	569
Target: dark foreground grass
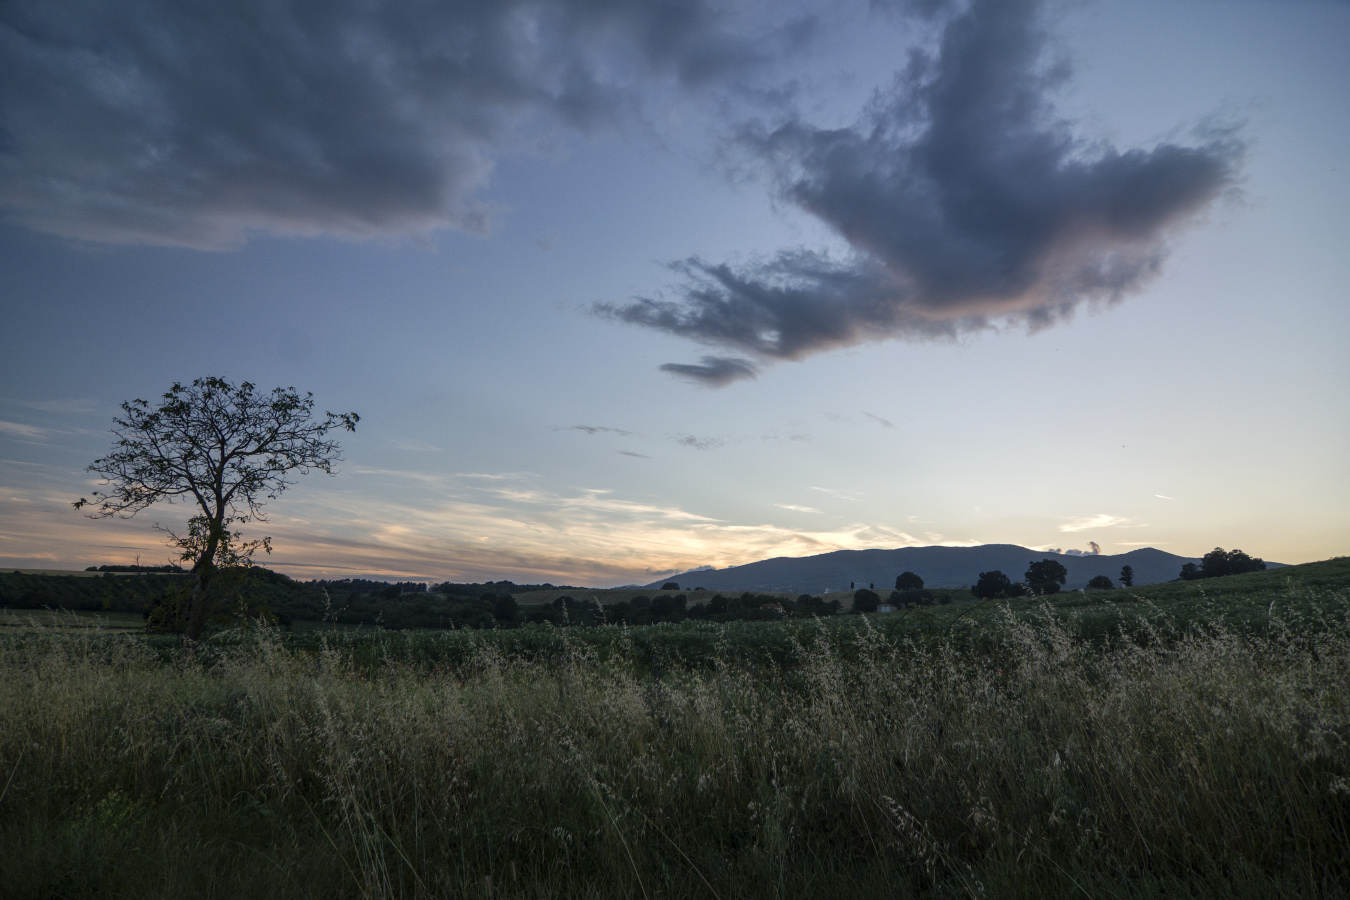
993	752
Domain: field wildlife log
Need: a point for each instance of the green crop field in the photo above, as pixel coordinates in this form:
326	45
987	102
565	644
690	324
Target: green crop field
70	620
1179	740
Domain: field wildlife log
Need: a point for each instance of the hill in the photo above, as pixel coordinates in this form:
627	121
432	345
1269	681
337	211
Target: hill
939	567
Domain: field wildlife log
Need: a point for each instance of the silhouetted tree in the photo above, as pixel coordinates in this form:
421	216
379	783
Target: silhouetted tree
1190	572
1046	576
908	581
1100	583
1216	563
505	608
865	601
1127	576
995	584
225	448
670	586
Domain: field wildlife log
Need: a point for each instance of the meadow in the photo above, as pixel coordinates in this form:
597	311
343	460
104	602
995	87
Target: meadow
1181	740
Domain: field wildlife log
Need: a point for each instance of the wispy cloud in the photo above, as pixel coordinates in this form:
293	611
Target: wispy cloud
589	537
789	506
405	474
413	446
596	429
1101	520
885	423
714	371
855	496
635	454
1164	497
701	443
68	406
24	432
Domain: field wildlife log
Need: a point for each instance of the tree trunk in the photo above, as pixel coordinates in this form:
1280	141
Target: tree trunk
196	618
203	571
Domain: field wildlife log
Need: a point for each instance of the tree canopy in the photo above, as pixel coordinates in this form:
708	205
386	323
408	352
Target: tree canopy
908	581
224	448
865	600
1218	563
1046	576
995	584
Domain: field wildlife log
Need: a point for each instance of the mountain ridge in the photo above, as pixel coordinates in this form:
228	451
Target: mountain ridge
938	566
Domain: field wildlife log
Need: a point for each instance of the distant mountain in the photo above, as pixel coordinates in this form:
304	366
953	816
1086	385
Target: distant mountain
939	567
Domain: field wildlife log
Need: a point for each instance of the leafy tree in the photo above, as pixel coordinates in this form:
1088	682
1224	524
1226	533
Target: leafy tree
1046	576
908	581
504	608
1190	572
1216	563
671	586
668	608
224	448
865	600
992	585
1127	576
1100	583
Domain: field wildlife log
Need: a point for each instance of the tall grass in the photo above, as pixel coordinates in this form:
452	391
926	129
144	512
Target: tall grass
1009	757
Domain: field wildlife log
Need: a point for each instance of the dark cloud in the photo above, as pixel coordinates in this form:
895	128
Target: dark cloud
196	123
964	202
714	370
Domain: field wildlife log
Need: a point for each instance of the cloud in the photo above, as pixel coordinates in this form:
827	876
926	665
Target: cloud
964	203
413	446
699	443
461	529
788	506
632	453
855	496
23	432
1163	497
1101	520
583	537
196	125
715	371
68	406
884	423
597	429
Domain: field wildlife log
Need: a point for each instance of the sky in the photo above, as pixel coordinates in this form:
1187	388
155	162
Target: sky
621	290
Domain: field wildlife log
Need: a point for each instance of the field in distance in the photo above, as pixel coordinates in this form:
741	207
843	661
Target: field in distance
610	596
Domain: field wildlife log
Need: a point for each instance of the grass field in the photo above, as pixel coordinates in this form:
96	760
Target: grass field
1182	740
71	620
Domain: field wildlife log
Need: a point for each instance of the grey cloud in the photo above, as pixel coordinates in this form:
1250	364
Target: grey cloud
884	423
699	443
632	453
963	200
713	370
196	124
597	429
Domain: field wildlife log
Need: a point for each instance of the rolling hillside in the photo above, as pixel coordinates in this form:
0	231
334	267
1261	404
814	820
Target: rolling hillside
939	567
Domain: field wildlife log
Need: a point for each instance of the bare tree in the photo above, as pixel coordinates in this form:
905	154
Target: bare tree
228	449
